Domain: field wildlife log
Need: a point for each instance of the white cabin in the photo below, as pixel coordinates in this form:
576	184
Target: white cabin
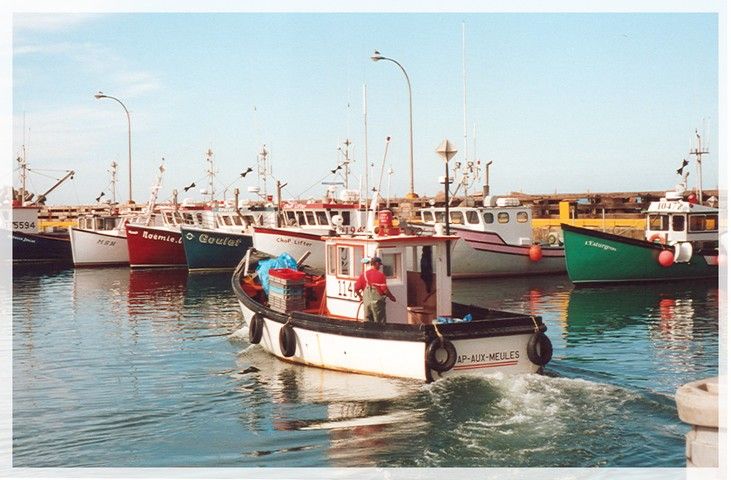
672	220
402	256
505	216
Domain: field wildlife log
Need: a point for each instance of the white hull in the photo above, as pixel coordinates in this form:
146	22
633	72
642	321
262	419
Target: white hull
91	248
468	261
397	358
275	242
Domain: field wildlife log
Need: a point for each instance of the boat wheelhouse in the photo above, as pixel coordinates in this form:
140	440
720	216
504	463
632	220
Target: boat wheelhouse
302	226
426	335
496	239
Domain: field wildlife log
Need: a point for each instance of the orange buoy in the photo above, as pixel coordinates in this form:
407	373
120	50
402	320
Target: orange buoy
657	238
665	258
535	253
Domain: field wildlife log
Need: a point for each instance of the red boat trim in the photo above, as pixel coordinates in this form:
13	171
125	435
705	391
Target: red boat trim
287	233
486	365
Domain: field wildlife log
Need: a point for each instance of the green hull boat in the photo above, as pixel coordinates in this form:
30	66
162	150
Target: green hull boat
597	257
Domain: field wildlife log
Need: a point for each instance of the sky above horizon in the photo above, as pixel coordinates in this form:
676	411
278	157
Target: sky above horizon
560	103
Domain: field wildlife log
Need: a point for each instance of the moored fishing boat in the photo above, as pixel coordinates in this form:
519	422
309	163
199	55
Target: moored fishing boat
496	239
302	226
224	240
681	242
31	244
426	336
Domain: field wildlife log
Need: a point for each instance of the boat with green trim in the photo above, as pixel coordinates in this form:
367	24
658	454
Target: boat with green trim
681	242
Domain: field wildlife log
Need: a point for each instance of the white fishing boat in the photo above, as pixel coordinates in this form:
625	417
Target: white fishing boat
496	239
426	336
100	239
302	226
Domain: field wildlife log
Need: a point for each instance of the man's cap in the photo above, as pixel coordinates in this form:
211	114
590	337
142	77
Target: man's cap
376	259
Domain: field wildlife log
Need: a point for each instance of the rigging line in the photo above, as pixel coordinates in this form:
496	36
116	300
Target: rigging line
313	185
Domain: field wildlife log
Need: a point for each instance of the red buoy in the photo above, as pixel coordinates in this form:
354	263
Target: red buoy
665	258
535	253
692	198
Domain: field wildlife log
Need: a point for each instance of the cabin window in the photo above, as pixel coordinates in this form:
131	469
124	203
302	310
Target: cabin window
427	216
199	218
439	217
678	223
188	218
227	220
344	260
110	223
521	217
301	218
472	217
290	218
503	217
178	217
391	264
657	222
169	218
489	217
237	220
702	223
456	218
310	218
321	218
346	217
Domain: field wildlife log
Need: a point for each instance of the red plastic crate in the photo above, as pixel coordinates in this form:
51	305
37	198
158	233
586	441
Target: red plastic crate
286	274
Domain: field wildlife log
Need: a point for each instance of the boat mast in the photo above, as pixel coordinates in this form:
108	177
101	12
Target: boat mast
464	98
211	172
113	171
263	167
154	191
365	138
699	151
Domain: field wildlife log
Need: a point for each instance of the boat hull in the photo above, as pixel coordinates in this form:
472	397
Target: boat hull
41	247
92	248
598	257
485	254
396	350
154	247
209	249
276	241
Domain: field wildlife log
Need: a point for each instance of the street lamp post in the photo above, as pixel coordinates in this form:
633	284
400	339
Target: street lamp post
129	137
376	57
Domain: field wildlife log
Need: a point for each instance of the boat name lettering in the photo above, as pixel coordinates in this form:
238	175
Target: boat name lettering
161	237
603	246
488	357
23	239
226	242
293	241
106	243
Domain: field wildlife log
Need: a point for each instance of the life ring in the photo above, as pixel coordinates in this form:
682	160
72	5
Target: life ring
431	355
540	349
256	328
657	238
552	238
287	340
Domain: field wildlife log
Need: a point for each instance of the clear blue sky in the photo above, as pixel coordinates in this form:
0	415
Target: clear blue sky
559	102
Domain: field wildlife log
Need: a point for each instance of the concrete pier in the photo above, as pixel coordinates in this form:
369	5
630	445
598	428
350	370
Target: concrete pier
697	404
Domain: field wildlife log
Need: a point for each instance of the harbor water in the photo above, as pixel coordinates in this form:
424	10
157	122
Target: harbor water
119	368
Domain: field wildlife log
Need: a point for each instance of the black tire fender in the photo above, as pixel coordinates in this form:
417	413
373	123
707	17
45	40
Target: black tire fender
540	349
431	355
256	328
287	340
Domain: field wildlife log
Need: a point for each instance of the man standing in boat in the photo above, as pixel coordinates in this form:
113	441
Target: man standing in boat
371	288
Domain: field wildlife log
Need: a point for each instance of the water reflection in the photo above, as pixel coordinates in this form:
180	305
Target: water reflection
359	414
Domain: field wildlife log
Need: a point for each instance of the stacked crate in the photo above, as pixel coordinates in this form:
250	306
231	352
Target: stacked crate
286	290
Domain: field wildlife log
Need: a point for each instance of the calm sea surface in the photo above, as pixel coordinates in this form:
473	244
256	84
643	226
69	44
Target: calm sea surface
148	368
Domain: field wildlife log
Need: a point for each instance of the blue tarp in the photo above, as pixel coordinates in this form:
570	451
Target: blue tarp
285	260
